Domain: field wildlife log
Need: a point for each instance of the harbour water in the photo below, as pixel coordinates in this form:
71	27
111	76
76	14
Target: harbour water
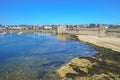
36	56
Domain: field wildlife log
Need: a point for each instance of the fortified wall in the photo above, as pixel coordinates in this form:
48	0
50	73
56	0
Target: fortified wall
101	31
113	32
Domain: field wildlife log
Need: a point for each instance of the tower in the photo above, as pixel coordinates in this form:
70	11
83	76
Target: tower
102	30
61	29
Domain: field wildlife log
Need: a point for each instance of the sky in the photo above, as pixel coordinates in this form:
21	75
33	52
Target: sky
59	11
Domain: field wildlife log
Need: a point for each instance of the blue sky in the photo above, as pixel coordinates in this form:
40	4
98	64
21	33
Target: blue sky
59	11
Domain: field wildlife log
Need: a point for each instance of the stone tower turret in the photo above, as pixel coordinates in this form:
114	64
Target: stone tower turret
102	30
61	29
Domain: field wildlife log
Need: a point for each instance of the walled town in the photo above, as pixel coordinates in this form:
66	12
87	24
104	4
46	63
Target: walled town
104	38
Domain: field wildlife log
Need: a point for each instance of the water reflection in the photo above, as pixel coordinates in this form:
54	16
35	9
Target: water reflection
3	33
35	56
62	37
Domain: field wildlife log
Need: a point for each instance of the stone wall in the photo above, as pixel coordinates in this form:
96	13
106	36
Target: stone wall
83	31
113	32
101	31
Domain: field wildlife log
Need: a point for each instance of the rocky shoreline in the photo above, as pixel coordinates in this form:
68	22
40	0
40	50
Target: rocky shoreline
104	65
